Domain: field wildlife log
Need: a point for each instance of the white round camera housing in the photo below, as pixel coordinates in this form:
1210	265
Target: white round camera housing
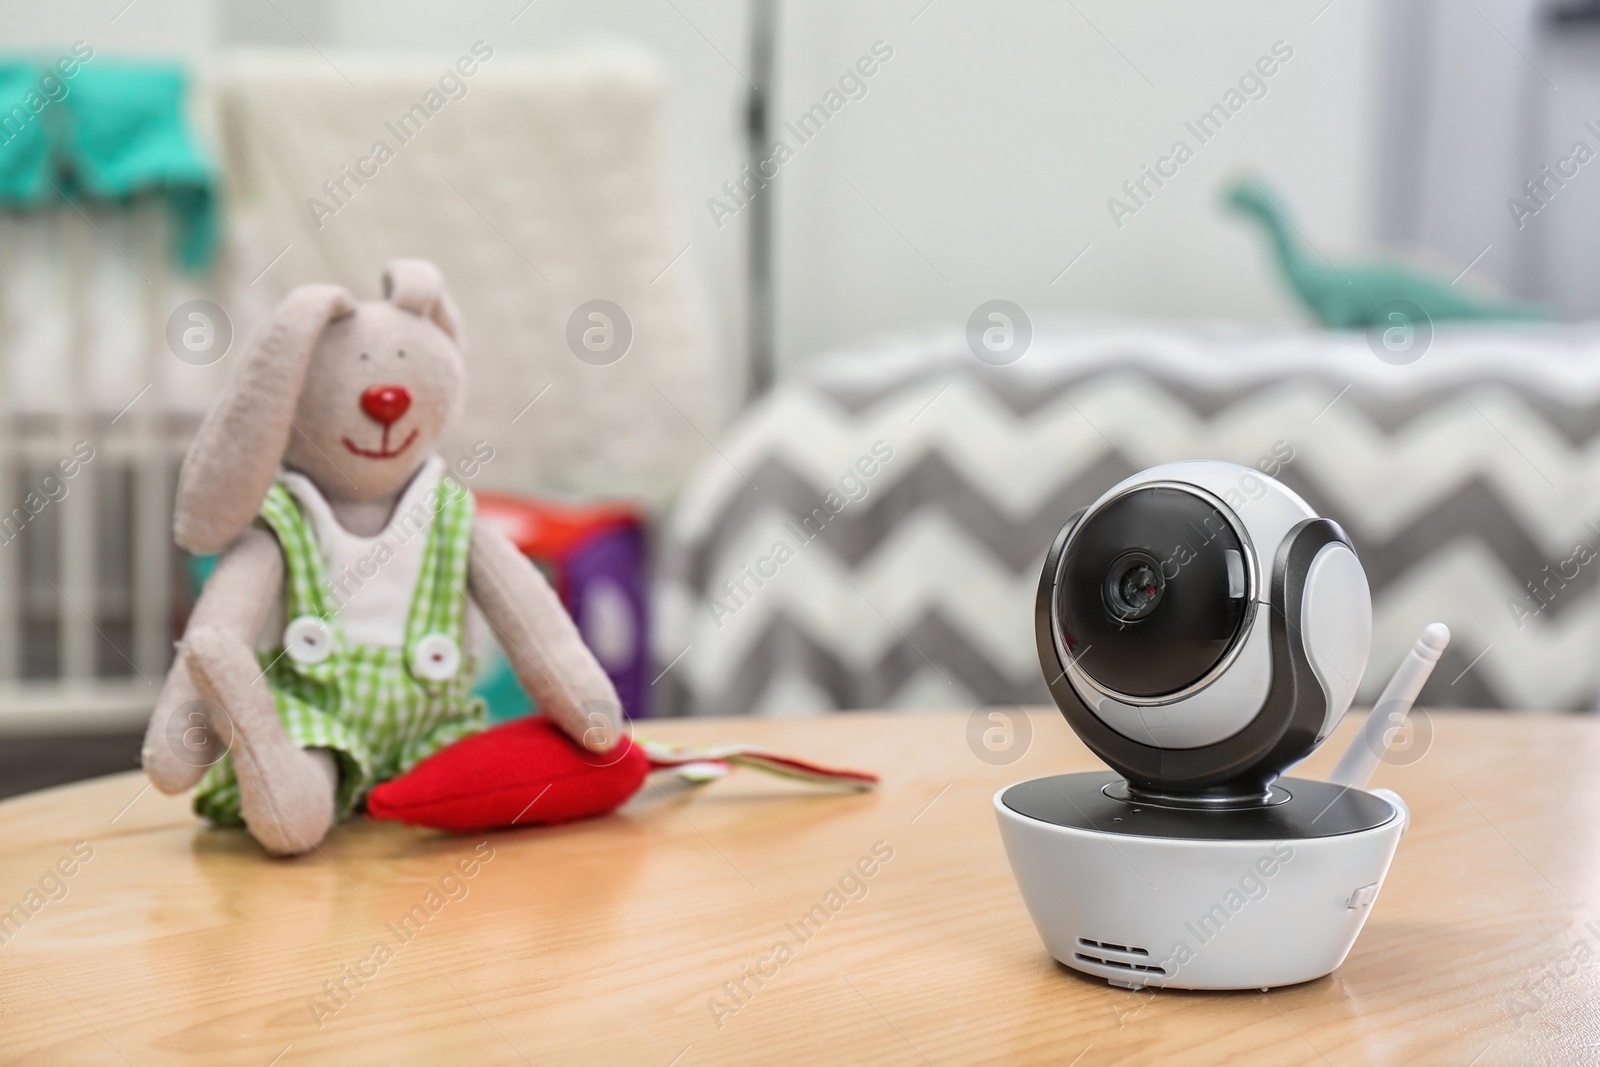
1202	629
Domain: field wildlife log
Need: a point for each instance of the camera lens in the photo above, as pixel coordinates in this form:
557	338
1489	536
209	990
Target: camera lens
1134	586
1152	594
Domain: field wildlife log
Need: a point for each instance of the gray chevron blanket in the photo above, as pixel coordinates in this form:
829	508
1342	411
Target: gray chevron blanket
870	535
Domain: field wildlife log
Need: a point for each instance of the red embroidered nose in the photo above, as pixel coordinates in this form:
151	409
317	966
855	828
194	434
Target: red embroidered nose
386	403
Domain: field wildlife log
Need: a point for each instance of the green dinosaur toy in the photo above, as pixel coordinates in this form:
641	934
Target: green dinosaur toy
1350	296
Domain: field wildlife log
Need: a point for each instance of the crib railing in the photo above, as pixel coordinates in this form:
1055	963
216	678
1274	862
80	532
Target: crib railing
90	584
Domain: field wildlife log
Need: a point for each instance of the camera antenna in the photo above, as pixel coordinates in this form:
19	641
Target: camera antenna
1388	715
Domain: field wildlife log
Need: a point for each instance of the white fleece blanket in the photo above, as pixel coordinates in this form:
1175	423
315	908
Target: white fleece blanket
536	186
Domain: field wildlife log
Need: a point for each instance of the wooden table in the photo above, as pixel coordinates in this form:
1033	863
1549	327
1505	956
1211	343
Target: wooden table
622	940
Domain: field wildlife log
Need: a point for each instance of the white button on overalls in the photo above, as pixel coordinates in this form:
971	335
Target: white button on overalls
308	640
435	658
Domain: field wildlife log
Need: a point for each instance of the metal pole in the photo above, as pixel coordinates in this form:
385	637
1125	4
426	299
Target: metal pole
759	248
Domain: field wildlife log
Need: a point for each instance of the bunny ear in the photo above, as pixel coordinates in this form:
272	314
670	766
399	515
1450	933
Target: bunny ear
235	455
417	286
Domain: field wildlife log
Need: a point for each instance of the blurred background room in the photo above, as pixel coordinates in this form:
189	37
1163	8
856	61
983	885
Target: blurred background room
796	330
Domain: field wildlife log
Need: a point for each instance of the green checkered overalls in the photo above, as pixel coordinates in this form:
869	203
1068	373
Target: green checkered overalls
367	703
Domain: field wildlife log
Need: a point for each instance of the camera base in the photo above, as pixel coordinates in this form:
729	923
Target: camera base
1149	894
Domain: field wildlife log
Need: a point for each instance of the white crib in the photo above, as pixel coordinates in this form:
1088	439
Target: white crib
90	580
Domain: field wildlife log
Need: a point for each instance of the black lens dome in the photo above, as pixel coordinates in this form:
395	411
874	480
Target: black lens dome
1134	585
1149	600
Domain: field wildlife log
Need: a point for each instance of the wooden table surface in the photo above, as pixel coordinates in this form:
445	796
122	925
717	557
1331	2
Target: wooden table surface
614	940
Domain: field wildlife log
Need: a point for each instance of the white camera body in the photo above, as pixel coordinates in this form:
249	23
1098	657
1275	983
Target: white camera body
1202	630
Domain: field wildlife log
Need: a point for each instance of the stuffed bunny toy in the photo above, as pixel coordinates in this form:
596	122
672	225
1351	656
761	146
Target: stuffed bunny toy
329	651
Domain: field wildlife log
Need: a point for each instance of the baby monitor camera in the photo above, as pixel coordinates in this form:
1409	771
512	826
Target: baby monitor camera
1203	630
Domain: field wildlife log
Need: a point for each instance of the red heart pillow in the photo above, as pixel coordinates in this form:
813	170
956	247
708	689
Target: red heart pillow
521	773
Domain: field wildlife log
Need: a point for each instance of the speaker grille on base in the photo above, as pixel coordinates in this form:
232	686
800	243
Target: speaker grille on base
1132	949
1102	947
1144	967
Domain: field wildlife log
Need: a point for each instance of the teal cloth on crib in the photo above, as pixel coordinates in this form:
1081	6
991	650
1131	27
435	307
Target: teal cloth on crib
111	132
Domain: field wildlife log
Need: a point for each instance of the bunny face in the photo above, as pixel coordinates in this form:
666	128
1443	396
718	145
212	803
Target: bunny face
354	396
381	385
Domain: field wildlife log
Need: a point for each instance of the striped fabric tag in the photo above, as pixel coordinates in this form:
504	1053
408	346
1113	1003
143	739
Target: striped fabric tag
706	764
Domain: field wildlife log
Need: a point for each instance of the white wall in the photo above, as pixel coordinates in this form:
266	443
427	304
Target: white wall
994	137
182	28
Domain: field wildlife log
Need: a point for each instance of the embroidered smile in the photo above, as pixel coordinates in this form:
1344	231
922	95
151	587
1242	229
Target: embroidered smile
383	451
384	405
